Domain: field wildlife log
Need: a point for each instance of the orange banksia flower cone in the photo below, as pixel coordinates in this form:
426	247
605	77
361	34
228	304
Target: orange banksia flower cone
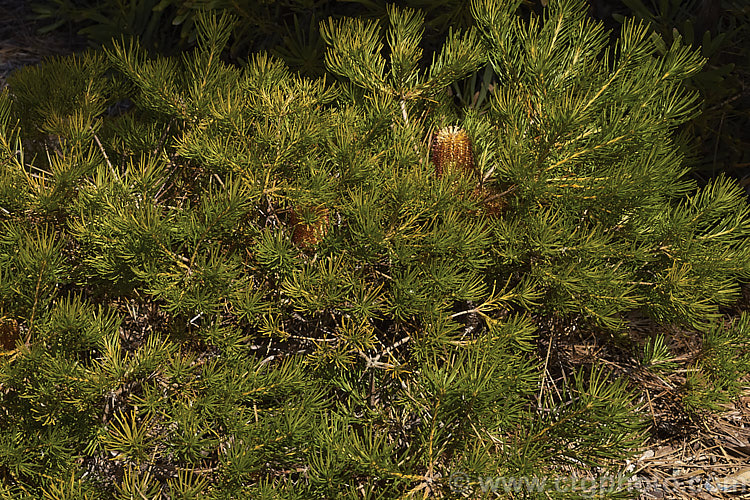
307	232
451	150
9	333
493	200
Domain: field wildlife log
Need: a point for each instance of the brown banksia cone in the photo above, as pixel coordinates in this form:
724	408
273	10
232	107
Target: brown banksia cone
309	225
451	150
493	199
9	333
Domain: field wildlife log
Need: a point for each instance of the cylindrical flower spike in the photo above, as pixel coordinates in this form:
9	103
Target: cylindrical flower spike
452	150
493	200
309	226
9	333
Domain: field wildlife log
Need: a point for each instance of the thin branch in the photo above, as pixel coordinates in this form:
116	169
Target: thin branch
99	143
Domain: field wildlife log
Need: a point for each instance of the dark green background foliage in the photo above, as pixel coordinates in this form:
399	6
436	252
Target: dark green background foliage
289	29
175	340
720	29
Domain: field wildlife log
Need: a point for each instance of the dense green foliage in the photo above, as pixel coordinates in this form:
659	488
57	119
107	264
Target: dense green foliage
720	29
289	29
286	28
173	334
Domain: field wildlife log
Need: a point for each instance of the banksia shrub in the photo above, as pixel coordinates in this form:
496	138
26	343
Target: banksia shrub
177	342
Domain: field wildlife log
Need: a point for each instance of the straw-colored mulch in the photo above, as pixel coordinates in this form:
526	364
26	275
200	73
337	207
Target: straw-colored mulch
22	44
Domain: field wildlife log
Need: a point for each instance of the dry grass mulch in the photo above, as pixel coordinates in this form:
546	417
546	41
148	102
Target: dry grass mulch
21	44
688	455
